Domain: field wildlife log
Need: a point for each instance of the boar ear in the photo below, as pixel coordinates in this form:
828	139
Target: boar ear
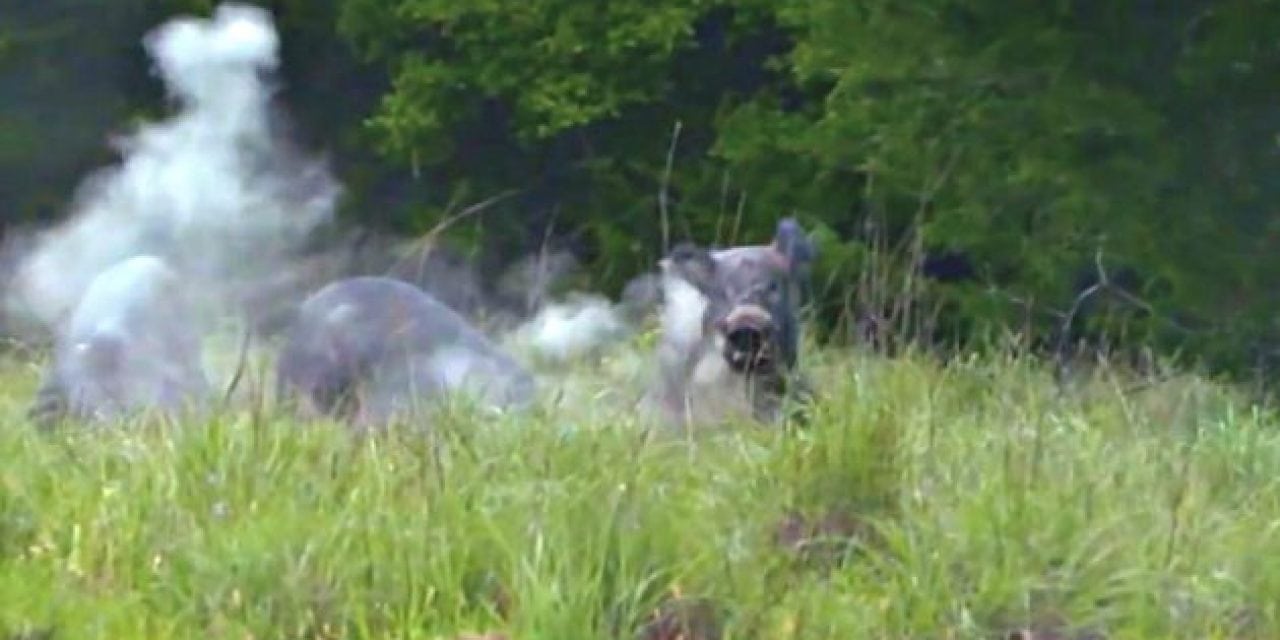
794	244
692	263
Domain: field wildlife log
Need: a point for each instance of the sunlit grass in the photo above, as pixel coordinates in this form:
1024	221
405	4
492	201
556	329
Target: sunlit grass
965	500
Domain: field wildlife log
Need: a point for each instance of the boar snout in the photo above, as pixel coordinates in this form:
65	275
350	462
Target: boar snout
748	338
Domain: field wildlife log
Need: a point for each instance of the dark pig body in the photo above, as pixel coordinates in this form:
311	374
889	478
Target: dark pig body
132	343
371	348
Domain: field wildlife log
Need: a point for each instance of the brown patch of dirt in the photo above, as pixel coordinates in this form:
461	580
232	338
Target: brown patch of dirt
33	634
822	541
682	618
503	601
1052	628
1054	634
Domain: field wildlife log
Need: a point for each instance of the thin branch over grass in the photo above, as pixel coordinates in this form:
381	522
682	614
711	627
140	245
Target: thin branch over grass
665	188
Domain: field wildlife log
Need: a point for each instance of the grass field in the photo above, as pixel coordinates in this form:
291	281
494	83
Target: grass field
967	500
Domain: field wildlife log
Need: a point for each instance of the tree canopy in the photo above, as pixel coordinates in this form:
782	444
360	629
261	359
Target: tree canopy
1019	146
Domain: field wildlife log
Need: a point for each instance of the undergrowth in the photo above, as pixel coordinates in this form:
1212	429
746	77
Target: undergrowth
979	498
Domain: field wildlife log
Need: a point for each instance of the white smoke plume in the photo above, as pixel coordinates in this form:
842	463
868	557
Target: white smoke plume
569	330
213	189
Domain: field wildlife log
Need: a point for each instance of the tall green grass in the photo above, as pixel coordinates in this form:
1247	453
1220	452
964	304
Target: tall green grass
961	500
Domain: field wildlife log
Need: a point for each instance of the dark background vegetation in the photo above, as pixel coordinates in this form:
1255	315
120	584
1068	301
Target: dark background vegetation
979	160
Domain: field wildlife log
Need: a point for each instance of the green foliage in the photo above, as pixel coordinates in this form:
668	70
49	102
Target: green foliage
981	128
559	64
1029	140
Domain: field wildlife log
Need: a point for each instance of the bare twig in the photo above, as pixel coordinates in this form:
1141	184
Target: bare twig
737	217
1064	331
241	361
533	298
1177	500
423	244
934	184
724	202
663	191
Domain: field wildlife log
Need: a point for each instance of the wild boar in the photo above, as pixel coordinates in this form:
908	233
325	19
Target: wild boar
730	329
132	343
370	349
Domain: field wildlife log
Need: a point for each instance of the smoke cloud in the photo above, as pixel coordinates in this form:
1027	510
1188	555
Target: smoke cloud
568	330
214	190
217	191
